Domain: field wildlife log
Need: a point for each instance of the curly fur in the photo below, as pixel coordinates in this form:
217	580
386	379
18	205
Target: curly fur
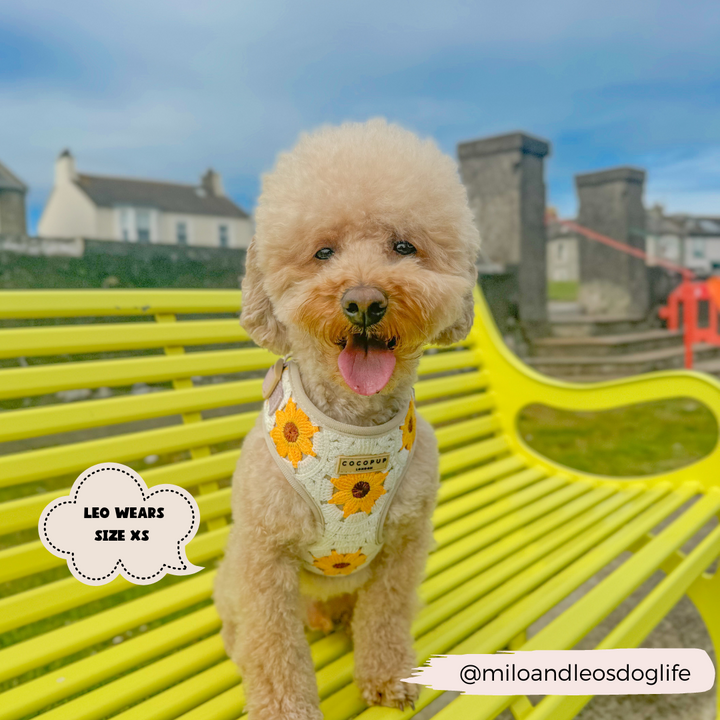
357	189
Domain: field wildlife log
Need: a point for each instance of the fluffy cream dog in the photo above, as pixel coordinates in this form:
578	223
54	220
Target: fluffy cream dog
364	251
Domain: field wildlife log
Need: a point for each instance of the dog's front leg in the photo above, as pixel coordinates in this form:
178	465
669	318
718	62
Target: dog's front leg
271	649
383	616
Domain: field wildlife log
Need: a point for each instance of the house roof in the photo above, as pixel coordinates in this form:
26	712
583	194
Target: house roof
10	181
170	197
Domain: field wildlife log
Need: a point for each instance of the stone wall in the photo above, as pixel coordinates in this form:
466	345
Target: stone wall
506	191
611	203
30	263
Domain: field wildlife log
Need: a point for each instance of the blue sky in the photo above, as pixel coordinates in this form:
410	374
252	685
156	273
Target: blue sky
164	89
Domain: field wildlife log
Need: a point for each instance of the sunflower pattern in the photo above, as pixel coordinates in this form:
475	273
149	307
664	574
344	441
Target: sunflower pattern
359	492
350	507
409	428
293	433
339	563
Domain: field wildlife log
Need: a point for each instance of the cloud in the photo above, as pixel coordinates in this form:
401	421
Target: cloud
165	89
111	525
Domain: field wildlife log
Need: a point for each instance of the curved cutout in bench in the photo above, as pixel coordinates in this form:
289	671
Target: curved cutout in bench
630	441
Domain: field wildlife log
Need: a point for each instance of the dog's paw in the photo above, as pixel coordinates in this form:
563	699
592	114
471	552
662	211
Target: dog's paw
389	693
318	619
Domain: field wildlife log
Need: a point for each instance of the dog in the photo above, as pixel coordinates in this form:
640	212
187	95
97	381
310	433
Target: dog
364	252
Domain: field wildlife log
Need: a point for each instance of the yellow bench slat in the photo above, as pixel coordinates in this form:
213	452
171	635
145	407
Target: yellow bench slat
501	507
464	482
471	455
195	690
462	432
451	385
30	304
25	512
163	673
187	694
44	379
444	410
447	361
79	339
35	422
97	704
601	600
458	507
51	462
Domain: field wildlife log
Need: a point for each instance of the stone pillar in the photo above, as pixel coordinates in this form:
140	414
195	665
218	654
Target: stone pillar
506	189
612	282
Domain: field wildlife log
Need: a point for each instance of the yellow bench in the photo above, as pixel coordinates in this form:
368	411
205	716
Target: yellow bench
515	532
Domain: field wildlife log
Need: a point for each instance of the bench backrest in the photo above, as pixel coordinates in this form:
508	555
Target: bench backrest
164	381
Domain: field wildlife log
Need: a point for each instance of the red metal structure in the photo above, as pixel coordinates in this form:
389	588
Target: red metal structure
693	306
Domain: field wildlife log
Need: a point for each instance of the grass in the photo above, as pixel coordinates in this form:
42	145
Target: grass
566	290
643	439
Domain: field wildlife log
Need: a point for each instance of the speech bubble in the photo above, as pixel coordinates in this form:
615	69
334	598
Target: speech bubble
111	524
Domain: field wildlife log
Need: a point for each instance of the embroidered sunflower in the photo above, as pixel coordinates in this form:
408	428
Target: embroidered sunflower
358	492
408	429
292	433
339	563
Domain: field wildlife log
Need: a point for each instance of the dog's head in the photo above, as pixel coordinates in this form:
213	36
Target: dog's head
364	251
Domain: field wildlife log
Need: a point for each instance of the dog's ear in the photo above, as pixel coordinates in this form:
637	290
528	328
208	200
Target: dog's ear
459	330
257	316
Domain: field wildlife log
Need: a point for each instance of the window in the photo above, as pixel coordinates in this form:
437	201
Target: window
181	233
223	235
698	248
142	225
561	250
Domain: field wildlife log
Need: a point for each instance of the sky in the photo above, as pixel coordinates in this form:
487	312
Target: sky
165	89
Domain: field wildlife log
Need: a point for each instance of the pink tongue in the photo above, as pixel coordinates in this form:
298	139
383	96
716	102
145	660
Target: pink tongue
366	368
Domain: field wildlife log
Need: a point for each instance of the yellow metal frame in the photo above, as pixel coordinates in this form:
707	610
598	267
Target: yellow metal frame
516	386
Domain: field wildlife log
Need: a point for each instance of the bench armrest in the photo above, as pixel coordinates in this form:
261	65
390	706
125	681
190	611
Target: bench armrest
516	386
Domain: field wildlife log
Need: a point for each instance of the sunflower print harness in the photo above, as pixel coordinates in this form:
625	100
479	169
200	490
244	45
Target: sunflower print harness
348	475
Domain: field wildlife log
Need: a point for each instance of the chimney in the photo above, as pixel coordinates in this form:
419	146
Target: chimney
212	183
65	168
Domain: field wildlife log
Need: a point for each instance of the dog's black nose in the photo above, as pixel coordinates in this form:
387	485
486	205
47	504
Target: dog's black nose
364	306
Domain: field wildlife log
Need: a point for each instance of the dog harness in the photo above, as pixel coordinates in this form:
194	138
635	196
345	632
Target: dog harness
348	475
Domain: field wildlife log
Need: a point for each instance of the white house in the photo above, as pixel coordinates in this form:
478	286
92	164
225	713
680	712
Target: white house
143	211
689	240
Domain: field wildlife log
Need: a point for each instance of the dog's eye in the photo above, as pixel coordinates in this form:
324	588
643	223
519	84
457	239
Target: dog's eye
403	247
324	254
